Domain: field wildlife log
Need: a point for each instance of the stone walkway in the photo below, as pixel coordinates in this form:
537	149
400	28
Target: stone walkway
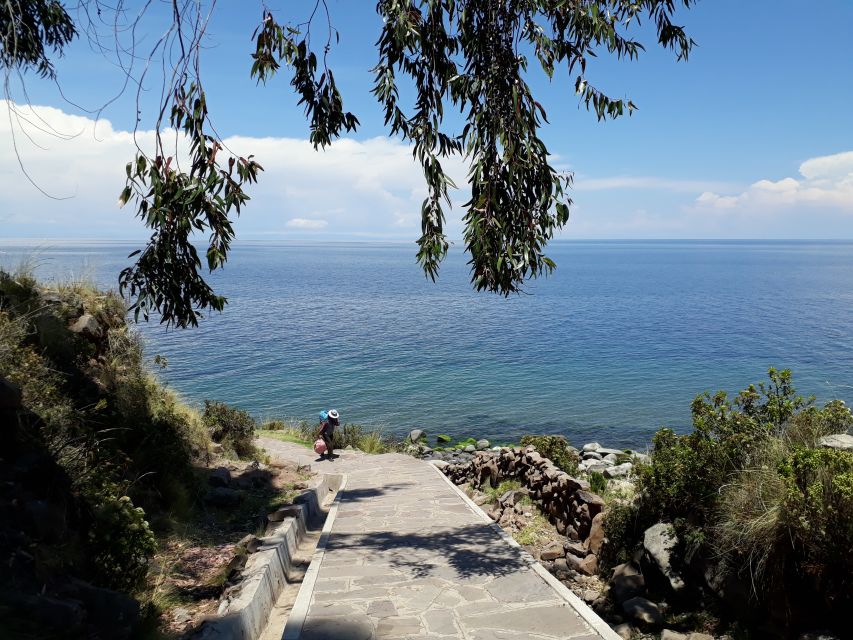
408	557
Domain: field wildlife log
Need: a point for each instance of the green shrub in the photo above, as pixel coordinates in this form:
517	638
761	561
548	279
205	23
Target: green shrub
556	448
126	444
273	425
597	482
231	427
749	486
686	471
624	524
818	516
121	542
358	437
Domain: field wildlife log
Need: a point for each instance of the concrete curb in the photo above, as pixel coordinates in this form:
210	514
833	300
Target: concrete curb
244	615
299	612
583	610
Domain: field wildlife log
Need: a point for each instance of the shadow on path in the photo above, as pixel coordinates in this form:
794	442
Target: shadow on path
470	550
359	495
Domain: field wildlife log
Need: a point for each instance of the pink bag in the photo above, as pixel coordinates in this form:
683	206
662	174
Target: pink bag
320	446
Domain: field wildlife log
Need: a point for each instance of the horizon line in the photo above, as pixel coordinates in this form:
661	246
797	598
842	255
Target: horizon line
29	240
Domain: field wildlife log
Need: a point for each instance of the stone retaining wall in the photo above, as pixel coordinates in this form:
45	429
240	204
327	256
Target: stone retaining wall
567	501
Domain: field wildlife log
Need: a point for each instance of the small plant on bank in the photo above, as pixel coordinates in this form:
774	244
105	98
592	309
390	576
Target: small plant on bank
122	542
533	532
233	428
502	488
556	448
597	482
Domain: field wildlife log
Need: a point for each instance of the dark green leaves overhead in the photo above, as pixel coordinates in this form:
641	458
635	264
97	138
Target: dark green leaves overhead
472	55
323	104
177	203
28	29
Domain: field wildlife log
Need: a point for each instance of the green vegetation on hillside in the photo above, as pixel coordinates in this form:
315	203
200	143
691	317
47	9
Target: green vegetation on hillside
99	459
753	494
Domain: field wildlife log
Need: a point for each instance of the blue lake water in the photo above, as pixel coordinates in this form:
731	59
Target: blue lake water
614	344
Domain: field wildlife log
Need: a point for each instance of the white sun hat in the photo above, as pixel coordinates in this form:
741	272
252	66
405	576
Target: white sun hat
333	414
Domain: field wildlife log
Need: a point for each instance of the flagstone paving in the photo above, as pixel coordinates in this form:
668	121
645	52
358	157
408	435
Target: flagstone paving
407	557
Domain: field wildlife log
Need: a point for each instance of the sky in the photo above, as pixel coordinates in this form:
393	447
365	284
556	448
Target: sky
750	138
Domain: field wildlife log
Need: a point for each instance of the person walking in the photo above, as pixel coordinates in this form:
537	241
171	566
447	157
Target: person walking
327	432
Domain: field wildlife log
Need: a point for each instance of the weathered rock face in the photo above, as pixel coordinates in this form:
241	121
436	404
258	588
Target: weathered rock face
415	435
86	325
659	542
596	534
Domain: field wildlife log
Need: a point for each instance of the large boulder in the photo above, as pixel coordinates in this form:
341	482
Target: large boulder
589	565
842	441
618	471
86	325
553	551
643	611
596	534
10	395
483	444
627	582
415	435
607	452
659	543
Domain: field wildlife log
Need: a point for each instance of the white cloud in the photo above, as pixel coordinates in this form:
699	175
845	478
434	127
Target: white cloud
368	188
307	223
373	189
825	183
646	182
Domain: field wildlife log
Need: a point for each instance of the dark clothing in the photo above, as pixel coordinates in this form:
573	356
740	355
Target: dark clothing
327	433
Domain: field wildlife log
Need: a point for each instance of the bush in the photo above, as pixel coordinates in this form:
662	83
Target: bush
749	486
120	541
231	427
360	438
597	482
556	448
686	471
624	524
818	518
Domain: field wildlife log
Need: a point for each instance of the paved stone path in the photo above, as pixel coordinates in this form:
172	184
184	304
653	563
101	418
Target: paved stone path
408	557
